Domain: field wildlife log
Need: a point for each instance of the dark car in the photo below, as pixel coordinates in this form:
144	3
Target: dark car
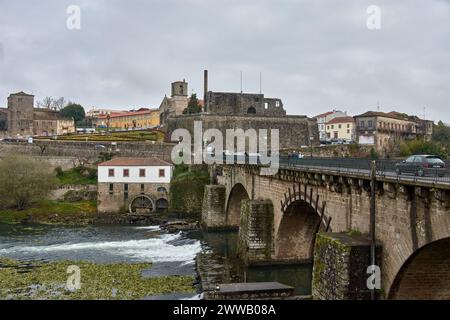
421	165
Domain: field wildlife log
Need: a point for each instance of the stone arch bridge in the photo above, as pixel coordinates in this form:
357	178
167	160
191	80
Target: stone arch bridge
281	217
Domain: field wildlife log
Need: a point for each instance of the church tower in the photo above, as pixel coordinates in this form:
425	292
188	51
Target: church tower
180	88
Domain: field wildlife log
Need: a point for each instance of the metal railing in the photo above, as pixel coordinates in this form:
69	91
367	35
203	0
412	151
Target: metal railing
385	168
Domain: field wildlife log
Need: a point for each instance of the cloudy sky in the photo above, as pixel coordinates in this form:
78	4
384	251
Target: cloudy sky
315	55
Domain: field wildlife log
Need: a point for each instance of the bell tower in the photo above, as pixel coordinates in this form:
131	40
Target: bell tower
180	88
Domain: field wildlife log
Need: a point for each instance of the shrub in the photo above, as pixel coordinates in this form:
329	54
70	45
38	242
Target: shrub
24	181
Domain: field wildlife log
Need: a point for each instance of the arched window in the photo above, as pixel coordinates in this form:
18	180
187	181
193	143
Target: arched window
161	189
251	110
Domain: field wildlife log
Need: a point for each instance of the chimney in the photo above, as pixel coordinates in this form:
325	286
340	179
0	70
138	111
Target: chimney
205	87
205	82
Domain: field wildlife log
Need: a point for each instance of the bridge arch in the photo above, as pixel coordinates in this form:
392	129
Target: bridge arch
302	216
425	274
233	209
296	234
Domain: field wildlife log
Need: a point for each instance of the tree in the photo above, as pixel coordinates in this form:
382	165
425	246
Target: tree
24	181
441	133
47	103
73	110
59	104
193	105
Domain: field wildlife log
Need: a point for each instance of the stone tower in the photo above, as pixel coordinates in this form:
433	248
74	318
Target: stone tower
21	115
180	88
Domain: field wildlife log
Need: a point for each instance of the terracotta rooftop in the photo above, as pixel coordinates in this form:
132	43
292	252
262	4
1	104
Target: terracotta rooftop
392	115
122	161
324	114
124	114
21	93
341	120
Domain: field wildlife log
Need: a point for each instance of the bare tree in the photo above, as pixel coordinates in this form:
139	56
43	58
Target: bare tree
59	103
47	103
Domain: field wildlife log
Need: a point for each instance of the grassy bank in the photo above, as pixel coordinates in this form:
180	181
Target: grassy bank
52	212
98	281
77	175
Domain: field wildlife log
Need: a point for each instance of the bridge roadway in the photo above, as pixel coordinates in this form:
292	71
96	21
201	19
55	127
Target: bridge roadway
360	168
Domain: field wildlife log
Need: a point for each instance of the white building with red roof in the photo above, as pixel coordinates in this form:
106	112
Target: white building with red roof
322	120
341	128
134	185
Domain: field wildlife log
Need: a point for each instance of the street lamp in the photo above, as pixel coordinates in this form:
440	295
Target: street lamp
311	139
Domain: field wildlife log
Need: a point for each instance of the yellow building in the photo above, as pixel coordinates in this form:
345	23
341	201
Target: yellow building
140	119
342	128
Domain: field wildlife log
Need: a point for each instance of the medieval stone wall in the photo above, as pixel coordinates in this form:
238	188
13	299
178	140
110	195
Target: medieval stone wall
232	104
87	150
294	131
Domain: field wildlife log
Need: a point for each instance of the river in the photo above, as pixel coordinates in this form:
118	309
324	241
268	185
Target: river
169	253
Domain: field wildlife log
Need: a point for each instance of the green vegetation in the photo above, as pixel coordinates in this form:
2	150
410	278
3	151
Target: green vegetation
138	135
73	110
121	281
439	144
373	154
77	175
424	147
106	156
23	181
52	212
354	232
193	105
187	188
441	133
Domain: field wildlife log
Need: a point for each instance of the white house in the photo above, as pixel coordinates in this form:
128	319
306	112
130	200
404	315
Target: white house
324	118
133	184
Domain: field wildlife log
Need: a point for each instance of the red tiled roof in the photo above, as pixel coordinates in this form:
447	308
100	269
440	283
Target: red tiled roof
124	114
122	161
341	120
324	114
392	115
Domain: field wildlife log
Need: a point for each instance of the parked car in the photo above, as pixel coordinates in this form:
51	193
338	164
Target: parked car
421	165
99	147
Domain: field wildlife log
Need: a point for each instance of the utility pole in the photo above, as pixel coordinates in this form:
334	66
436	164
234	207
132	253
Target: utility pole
373	184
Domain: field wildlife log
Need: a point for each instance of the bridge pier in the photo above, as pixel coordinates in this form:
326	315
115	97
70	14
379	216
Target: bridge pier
340	267
255	241
213	208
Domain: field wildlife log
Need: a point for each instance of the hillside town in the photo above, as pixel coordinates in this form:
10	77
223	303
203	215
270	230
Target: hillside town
224	153
384	131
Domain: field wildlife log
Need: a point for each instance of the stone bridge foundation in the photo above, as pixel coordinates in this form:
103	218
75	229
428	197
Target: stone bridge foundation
340	267
256	232
213	208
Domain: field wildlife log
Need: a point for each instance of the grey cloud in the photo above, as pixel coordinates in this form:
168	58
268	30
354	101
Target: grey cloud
315	55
